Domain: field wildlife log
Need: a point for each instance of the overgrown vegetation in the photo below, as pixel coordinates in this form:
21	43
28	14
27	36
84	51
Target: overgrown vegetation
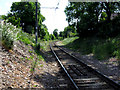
25	18
94	18
98	27
9	33
101	48
92	22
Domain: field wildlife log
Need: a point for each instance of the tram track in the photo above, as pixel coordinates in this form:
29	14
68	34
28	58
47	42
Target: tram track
80	74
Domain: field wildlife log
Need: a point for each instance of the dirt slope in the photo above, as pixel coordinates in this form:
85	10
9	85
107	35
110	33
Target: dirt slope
15	68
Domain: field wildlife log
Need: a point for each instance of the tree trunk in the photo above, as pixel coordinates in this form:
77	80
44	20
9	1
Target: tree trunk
108	12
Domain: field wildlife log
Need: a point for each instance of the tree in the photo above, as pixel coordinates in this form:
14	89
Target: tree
60	34
23	14
3	17
69	31
52	37
43	33
109	8
55	33
86	16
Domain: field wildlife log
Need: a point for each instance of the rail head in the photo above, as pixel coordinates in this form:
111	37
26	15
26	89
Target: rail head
64	68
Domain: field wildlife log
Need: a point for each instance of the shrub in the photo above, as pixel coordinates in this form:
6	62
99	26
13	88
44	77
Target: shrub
103	51
9	33
22	36
116	43
117	53
60	38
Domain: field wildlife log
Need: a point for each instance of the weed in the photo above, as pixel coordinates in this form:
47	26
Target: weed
28	59
35	85
32	70
22	58
30	51
31	57
41	65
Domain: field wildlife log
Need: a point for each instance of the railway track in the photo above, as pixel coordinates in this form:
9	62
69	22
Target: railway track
80	74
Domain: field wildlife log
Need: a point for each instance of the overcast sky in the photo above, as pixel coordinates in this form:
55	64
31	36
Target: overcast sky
54	18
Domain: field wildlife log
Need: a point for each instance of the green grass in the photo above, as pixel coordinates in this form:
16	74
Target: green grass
103	51
101	48
25	38
69	40
41	65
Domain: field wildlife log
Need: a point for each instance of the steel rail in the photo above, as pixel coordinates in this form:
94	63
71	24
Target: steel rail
104	77
64	68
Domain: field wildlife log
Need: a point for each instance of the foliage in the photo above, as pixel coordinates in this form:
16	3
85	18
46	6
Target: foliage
85	17
61	34
55	33
111	29
24	37
23	14
52	37
103	51
3	17
101	48
60	38
44	34
9	34
69	32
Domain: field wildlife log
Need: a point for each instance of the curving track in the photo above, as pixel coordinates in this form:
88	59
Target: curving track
82	76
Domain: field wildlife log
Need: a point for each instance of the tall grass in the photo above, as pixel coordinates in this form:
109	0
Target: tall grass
69	40
101	48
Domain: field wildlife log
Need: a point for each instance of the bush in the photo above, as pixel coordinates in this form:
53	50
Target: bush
116	43
101	48
9	33
24	37
117	53
104	50
60	38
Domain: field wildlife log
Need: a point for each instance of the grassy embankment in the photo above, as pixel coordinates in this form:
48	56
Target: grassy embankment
101	48
10	34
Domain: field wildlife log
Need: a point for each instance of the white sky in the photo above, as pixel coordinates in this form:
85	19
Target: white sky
54	19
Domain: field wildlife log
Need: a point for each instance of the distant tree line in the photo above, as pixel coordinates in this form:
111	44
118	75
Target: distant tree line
69	31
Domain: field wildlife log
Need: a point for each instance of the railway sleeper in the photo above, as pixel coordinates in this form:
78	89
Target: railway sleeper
86	82
99	85
78	72
85	71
